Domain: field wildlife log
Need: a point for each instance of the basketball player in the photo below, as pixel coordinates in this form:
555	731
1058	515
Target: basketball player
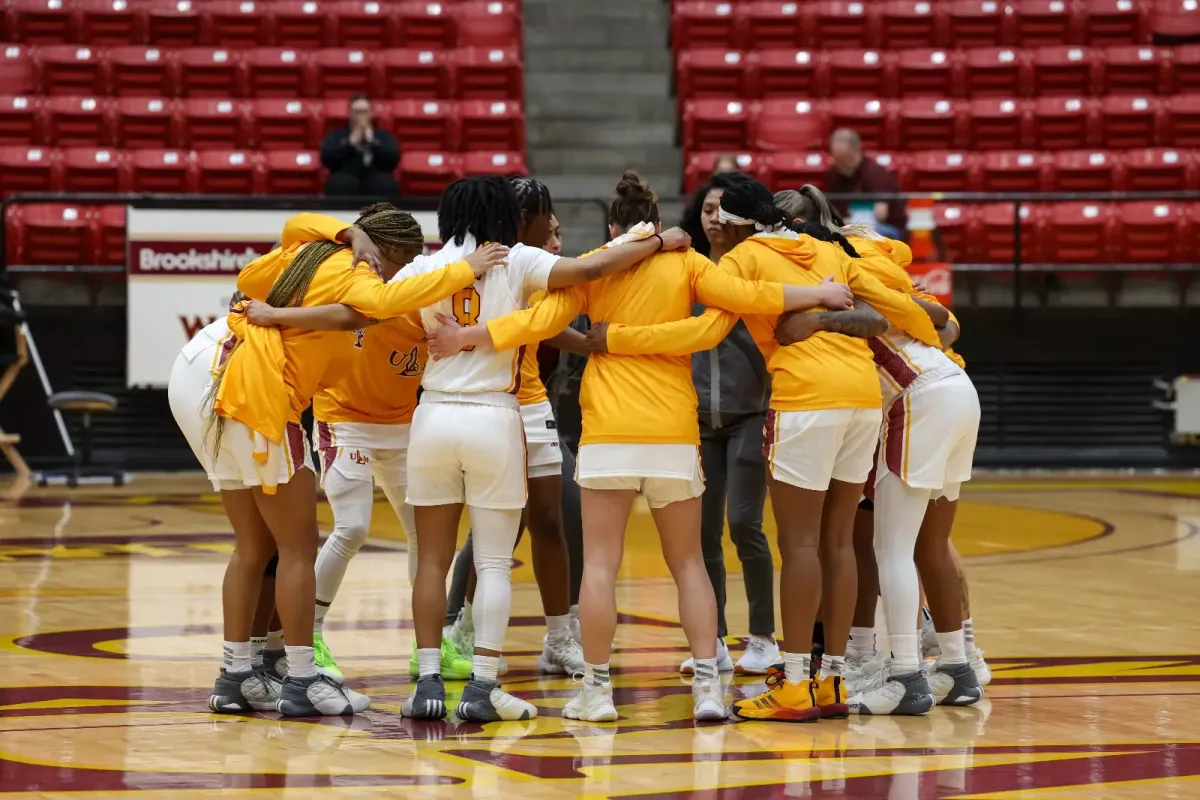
467	436
821	433
258	394
927	445
640	431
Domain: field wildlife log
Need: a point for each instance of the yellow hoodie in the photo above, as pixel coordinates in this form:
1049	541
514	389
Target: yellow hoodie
827	370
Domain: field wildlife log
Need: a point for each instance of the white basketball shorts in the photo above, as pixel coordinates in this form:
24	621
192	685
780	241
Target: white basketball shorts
541	439
810	448
928	438
662	473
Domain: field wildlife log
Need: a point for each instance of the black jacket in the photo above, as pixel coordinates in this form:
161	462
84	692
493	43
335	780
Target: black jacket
381	155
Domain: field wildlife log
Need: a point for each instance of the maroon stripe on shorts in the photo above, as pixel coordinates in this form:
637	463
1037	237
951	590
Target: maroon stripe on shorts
226	349
295	442
891	363
769	434
894	443
869	488
324	436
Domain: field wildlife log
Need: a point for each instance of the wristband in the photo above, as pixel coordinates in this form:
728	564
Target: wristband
661	243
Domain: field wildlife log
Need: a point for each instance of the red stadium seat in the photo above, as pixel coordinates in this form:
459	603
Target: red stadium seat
144	122
17	73
1132	121
700	165
869	118
426	173
89	169
1045	22
488	74
704	23
333	115
1079	233
936	73
173	23
775	24
141	71
979	23
78	120
904	23
1063	123
940	171
494	163
790	125
344	73
278	72
236	23
932	123
20	119
361	24
108	22
110	234
492	125
1114	21
953	228
711	73
1008	171
865	72
1000	123
70	69
228	172
488	23
1154	231
28	169
1184	115
993	235
425	124
214	124
40	21
849	21
1160	169
292	172
414	74
1086	171
796	73
1175	19
791	170
304	23
716	124
161	172
1073	71
1142	69
278	124
56	234
424	23
1185	61
998	72
211	72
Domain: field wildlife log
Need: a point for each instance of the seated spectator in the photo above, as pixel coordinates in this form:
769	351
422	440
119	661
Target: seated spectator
360	158
854	173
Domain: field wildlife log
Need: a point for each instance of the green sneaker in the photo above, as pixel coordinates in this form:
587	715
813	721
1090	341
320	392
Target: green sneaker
454	666
326	664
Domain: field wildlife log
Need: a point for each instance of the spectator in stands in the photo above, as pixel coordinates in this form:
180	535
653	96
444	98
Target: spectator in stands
360	158
725	163
854	173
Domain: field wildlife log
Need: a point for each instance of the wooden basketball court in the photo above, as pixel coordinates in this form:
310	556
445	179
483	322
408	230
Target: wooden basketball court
1084	596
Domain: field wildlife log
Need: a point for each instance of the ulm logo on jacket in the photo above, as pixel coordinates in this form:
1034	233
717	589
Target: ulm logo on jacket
409	363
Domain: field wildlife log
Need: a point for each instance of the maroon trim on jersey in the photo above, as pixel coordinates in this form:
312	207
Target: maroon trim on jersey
295	442
520	369
890	362
894	443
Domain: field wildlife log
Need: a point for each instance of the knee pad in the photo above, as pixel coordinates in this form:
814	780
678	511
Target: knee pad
272	566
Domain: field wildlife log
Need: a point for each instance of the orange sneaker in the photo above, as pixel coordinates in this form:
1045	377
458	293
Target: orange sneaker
830	696
782	702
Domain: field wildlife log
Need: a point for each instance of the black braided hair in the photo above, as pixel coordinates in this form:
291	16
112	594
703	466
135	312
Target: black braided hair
750	199
533	196
484	206
692	221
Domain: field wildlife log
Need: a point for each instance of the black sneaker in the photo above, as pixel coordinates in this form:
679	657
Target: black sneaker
428	700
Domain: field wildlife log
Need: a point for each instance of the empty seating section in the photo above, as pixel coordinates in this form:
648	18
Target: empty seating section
957	96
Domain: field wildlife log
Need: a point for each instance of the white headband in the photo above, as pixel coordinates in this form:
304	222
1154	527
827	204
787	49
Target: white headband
724	216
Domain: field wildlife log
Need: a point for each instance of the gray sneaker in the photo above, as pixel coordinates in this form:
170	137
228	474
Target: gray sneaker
428	700
900	695
275	662
485	701
239	692
318	696
955	685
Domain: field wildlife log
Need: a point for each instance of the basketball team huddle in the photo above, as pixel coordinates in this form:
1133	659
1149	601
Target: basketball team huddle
422	376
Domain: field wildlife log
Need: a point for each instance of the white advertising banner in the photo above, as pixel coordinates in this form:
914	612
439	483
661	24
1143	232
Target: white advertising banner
183	267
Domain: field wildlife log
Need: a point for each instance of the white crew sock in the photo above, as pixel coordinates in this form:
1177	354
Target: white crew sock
319	611
953	646
238	657
706	669
274	640
906	652
300	662
831	665
796	666
862	644
558	629
429	661
486	668
969	635
596	674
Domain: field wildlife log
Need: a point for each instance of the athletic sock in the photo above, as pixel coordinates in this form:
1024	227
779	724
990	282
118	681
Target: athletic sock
706	669
274	640
468	621
238	657
486	668
953	647
300	662
926	618
257	645
320	609
429	660
596	674
968	629
796	666
832	665
558	629
906	653
862	644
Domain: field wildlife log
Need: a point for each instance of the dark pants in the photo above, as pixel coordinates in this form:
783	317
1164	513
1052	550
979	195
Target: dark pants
734	469
373	184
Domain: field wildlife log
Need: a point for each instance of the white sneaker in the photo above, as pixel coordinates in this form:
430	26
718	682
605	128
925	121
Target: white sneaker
864	676
319	696
485	701
762	652
901	695
263	691
592	704
724	660
708	701
983	673
955	685
561	657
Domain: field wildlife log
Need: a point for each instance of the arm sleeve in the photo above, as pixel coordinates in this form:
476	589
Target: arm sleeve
365	292
335	149
679	338
312	228
898	309
722	287
542	321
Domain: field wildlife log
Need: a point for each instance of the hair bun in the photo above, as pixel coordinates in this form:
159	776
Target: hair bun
632	188
770	214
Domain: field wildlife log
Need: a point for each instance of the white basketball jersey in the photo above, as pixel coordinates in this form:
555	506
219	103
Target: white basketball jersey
500	292
206	338
902	362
